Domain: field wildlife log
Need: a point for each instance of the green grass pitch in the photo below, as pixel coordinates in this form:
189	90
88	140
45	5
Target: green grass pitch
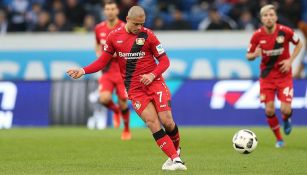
207	150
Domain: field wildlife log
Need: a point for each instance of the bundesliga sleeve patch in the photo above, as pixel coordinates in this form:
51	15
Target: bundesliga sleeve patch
160	49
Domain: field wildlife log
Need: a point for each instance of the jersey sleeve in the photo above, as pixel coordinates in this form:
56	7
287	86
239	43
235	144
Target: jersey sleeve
109	47
155	45
253	43
292	36
96	35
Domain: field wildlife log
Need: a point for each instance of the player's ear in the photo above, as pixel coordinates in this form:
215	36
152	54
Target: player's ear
127	18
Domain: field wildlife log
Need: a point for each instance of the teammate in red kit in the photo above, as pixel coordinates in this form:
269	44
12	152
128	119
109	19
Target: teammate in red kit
111	78
272	42
138	49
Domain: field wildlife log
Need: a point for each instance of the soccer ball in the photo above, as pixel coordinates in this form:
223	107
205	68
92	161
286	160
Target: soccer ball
244	141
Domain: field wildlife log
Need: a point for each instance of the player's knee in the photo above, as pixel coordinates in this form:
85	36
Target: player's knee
169	124
123	104
104	100
286	111
152	123
269	112
167	121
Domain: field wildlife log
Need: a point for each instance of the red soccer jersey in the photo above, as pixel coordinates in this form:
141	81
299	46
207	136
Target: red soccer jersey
275	48
136	54
101	32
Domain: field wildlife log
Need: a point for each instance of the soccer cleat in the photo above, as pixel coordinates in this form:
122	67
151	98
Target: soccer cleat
287	126
116	120
176	165
280	144
169	161
126	135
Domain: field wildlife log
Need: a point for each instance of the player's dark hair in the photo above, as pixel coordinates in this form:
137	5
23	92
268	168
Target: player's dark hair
107	2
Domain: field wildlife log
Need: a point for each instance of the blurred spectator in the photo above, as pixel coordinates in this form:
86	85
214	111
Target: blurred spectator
32	15
301	71
60	23
56	6
291	11
124	7
3	23
215	21
75	13
246	21
43	22
22	15
89	23
158	24
17	15
179	23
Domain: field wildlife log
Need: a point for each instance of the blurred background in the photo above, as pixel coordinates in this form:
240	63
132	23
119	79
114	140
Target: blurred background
211	81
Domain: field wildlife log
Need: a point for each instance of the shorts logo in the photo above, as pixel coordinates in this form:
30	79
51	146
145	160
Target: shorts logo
137	105
280	39
105	47
262	97
140	41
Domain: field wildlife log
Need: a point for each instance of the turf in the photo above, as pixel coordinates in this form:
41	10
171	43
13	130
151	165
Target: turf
62	150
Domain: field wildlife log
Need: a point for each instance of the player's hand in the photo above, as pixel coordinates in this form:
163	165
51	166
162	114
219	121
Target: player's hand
146	79
257	52
285	66
75	73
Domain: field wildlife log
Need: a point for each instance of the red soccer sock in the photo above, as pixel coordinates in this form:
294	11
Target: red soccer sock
111	105
274	124
126	117
165	144
174	135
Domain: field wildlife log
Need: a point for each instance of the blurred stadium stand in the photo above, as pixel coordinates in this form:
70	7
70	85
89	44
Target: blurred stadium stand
82	15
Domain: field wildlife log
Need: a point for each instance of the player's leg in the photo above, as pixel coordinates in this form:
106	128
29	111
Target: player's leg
273	122
150	117
286	111
172	131
162	99
106	89
285	95
267	96
170	126
147	111
123	105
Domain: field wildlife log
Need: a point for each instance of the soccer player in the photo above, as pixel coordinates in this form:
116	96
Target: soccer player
138	49
111	78
271	41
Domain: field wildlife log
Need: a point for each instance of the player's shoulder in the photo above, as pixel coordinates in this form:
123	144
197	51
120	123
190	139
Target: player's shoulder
121	23
259	31
117	31
100	25
284	28
148	31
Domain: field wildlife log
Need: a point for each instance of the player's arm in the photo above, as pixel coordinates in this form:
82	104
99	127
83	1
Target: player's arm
98	49
253	50
159	53
163	64
96	66
251	56
286	64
